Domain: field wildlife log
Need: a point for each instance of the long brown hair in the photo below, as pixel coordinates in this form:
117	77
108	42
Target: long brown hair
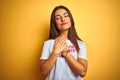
72	34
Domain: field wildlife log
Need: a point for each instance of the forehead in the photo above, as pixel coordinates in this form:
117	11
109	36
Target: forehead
60	12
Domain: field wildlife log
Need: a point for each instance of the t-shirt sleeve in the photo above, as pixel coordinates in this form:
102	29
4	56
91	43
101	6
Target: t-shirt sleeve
82	52
46	50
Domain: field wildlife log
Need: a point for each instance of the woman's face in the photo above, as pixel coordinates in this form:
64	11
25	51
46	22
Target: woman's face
62	20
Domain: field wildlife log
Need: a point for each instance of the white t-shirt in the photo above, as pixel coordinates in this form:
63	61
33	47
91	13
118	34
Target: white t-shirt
61	69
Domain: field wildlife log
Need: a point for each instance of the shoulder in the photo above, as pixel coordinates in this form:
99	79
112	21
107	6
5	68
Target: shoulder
49	41
81	43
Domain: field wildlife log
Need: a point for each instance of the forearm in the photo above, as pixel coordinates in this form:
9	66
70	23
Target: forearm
76	66
46	65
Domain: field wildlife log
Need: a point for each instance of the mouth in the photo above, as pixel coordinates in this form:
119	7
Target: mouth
64	23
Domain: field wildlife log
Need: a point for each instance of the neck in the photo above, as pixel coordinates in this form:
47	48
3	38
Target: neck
64	34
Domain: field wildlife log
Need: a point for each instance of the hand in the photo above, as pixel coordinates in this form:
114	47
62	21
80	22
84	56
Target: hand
60	45
65	51
66	47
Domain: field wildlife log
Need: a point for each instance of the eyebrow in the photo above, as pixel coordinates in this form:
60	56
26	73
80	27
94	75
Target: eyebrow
63	14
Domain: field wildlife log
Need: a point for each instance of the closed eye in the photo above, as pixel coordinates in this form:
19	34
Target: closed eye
57	18
66	16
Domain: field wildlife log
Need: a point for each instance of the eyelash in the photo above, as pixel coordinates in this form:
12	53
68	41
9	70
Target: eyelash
64	16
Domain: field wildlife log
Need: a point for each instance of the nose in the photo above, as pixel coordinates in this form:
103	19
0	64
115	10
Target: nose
62	19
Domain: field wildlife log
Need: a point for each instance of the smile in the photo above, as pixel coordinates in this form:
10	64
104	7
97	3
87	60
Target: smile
64	23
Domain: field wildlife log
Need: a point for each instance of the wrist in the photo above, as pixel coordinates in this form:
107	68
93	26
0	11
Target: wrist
55	53
64	53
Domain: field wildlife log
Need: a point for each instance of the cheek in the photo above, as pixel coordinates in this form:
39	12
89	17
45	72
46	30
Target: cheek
58	25
57	22
70	23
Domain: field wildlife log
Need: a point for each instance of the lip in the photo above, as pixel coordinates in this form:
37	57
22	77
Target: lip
64	23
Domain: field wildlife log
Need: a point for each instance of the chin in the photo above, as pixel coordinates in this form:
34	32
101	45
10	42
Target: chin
66	27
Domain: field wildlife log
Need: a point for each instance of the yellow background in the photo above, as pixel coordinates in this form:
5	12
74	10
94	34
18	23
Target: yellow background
24	25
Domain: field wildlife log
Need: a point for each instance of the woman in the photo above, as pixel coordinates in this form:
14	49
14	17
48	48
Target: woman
64	54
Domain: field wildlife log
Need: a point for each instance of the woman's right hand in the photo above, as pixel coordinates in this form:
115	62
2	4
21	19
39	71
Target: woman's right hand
60	44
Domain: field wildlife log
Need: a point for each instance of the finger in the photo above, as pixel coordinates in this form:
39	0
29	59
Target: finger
63	42
56	40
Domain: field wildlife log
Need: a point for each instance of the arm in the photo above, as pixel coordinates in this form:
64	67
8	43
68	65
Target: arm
47	64
78	66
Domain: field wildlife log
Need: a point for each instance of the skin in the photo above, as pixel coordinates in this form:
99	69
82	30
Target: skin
79	66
